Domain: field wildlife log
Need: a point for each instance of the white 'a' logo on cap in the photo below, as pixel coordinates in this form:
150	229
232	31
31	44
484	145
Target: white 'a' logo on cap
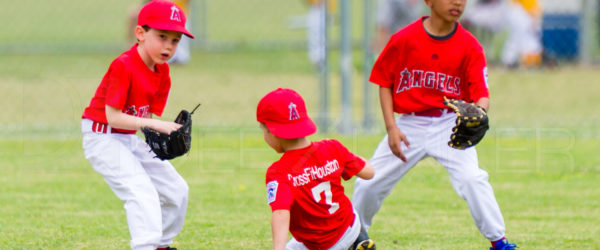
175	14
293	111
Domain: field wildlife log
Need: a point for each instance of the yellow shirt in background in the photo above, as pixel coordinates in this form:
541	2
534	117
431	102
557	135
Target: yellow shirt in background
531	6
182	4
332	4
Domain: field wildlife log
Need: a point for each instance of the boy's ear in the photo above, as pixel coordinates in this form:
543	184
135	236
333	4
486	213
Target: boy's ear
263	126
139	33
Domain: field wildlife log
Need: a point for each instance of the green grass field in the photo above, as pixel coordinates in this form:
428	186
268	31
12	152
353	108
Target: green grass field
541	152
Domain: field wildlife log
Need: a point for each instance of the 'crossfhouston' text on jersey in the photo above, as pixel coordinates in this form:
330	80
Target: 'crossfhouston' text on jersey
307	182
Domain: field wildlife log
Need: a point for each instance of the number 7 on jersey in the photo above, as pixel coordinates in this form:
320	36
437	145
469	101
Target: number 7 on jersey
326	188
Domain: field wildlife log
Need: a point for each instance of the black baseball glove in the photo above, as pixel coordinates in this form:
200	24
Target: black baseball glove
471	124
175	144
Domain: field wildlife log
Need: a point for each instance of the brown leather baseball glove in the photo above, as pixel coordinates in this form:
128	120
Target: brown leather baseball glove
471	124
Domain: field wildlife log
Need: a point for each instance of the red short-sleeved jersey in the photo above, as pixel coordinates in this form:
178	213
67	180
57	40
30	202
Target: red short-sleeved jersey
308	183
421	69
131	86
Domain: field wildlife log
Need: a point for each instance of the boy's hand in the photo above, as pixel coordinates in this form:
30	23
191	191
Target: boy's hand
164	126
395	140
170	139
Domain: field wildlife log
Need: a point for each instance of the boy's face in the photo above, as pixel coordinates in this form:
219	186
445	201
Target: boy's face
158	45
448	10
271	139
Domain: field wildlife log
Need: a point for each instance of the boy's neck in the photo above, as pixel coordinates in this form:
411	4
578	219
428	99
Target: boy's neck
145	58
438	26
293	144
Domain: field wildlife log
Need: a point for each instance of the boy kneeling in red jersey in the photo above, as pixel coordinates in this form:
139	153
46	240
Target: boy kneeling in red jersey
304	187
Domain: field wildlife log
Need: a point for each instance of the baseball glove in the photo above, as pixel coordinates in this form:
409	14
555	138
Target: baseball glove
471	124
175	144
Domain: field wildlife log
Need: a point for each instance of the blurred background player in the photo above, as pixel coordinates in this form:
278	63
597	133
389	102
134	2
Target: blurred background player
304	186
521	19
392	15
316	20
137	85
183	54
425	62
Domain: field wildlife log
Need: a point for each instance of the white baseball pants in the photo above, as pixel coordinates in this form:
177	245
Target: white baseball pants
344	243
428	136
524	37
155	195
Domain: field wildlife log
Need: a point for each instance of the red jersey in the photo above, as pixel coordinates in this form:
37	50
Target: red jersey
307	182
129	85
422	69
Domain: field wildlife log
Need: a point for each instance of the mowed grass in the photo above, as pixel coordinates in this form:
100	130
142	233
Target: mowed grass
52	199
541	154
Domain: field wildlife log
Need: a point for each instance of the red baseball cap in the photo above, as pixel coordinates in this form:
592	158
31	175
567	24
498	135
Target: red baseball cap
284	113
163	15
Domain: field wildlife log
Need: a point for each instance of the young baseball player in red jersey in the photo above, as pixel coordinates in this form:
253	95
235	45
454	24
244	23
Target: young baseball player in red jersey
304	188
432	58
136	86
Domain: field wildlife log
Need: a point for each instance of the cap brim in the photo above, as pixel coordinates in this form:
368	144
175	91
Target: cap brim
176	28
295	130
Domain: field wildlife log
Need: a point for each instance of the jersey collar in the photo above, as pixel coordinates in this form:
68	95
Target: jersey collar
439	38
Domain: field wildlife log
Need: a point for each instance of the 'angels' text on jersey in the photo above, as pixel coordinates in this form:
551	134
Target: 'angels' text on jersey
141	112
314	173
428	79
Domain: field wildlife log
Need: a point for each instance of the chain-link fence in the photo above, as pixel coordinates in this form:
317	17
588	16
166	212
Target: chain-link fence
567	30
514	31
88	26
570	29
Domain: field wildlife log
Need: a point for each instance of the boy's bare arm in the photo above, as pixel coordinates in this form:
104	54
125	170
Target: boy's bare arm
395	136
280	225
367	172
118	119
484	103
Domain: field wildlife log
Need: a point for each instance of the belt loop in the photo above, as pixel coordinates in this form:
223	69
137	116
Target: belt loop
98	127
